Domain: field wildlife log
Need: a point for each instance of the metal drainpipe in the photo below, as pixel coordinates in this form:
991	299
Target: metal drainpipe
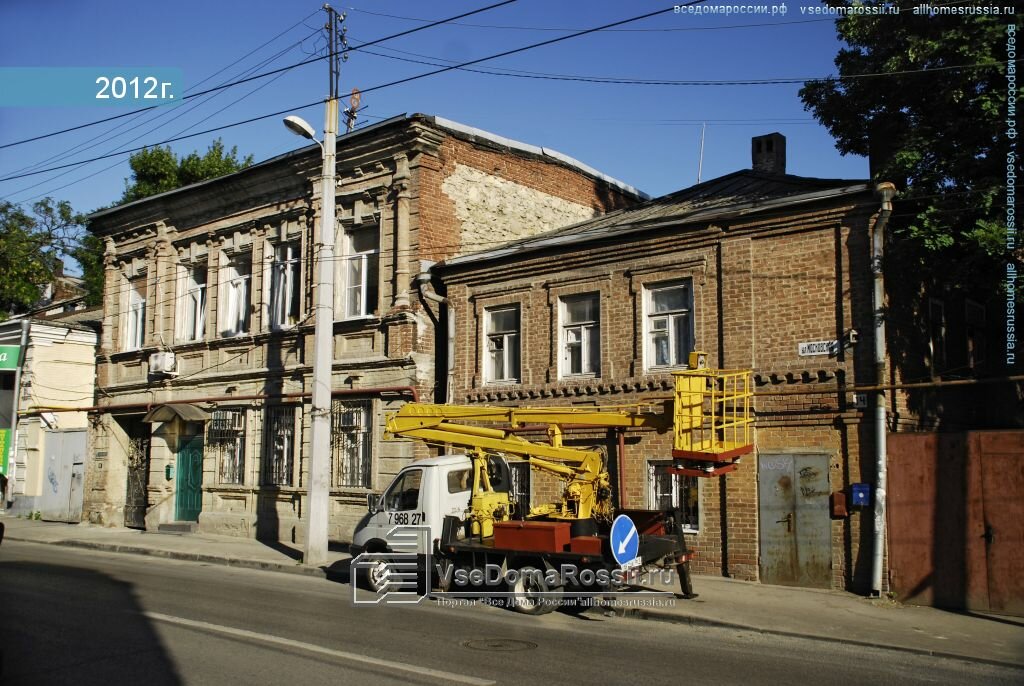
12	449
886	191
423	283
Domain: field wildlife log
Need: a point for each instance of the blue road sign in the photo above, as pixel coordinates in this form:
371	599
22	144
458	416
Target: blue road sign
625	540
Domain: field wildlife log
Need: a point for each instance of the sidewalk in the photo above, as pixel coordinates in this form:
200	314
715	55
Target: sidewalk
726	603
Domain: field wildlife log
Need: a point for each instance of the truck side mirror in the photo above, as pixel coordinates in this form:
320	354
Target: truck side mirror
372	503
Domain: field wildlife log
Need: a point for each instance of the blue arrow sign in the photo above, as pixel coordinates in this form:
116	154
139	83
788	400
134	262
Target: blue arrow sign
625	540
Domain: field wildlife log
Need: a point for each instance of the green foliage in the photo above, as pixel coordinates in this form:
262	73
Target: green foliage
938	134
89	254
157	170
31	246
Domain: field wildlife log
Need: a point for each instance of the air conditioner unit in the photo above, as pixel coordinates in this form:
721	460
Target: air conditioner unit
163	363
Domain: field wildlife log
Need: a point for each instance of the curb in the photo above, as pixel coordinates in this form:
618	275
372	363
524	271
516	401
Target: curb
634	613
187	557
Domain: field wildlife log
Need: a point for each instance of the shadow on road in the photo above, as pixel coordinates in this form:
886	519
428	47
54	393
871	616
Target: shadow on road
64	625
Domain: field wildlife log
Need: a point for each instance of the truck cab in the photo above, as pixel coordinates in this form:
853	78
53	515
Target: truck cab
421	495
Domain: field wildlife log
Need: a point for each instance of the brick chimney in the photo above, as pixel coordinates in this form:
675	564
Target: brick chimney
768	153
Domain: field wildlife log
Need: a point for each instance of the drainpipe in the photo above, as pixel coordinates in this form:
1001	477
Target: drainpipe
12	449
427	291
885	191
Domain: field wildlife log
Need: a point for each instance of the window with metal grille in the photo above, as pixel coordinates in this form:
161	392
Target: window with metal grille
351	443
225	442
278	445
669	491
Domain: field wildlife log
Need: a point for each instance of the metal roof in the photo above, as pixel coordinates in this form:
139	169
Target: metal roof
740	193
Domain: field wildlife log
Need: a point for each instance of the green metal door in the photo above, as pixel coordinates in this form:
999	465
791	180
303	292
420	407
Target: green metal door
189	480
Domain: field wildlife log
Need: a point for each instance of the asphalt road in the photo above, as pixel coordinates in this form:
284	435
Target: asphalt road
82	617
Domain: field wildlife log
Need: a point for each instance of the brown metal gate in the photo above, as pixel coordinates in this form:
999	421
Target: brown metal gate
136	497
956	519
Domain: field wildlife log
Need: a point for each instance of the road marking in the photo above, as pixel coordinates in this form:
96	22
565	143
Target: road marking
267	638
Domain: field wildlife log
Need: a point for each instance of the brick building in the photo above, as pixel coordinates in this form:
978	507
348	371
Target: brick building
204	367
762	270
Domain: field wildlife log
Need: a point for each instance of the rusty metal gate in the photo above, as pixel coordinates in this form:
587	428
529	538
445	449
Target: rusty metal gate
135	499
956	519
795	531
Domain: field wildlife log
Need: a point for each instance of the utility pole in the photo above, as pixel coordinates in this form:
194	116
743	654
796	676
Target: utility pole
323	334
700	159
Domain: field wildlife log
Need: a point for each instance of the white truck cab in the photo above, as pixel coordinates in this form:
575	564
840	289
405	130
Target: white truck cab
421	495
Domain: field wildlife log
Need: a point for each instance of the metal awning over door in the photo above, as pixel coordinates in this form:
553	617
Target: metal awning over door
184	411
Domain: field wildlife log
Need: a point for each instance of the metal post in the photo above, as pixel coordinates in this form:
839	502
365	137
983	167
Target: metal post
323	335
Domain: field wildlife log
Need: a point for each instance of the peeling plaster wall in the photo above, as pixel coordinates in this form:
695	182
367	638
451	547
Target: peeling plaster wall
493	210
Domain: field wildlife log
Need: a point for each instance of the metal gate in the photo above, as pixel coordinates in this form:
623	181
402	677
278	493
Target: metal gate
956	519
61	499
795	531
520	472
135	500
188	497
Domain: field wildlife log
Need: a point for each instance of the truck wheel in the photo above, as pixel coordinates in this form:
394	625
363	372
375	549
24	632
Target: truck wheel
376	577
531	593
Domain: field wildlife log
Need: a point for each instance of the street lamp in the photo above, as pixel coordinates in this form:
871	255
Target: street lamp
323	333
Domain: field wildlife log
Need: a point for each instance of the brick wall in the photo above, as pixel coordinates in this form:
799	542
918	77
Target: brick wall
758	290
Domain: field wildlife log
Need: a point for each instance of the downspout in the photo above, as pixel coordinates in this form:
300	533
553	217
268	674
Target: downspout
885	191
12	449
426	290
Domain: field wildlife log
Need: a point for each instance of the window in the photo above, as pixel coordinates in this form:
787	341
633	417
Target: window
225	442
235	307
937	335
502	355
460	480
404	494
192	304
668	325
351	443
357	292
285	288
974	316
581	335
279	445
668	491
135	314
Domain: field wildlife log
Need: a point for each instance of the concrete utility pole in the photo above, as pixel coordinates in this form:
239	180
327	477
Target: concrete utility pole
323	336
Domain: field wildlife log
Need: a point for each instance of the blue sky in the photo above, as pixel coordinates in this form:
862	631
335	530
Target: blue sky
645	135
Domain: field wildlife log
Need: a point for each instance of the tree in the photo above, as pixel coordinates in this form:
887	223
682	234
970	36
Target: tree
157	170
937	134
31	247
89	254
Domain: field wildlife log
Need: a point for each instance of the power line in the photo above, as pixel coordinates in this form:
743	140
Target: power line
365	90
260	76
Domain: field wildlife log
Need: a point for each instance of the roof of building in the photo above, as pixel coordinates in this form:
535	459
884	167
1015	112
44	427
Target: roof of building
733	195
453	127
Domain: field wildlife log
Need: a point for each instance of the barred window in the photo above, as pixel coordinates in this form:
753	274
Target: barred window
278	445
351	443
668	491
225	442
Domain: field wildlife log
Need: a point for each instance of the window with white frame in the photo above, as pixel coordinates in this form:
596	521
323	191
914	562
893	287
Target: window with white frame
192	303
278	445
937	335
668	324
581	335
285	289
668	491
234	296
356	295
501	359
225	442
351	443
134	326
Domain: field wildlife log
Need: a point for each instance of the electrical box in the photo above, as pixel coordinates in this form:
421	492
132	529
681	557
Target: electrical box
169	471
860	495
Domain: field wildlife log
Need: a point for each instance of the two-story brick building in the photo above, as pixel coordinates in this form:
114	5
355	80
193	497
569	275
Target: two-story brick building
761	269
204	367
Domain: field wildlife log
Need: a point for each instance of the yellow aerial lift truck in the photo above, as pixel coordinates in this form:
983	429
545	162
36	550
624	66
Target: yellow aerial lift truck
466	503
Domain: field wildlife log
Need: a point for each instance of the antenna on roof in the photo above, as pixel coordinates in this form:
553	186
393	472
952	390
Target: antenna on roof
700	160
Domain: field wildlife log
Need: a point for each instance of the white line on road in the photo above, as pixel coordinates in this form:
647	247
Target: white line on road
267	638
